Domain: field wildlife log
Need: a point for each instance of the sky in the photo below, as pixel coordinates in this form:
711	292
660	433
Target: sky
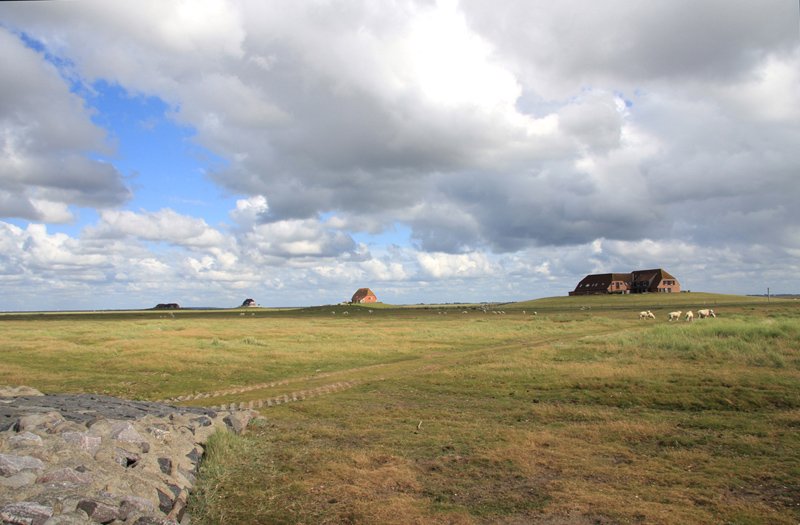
204	152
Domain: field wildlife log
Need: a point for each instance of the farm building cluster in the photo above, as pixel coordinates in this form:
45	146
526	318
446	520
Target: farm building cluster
639	281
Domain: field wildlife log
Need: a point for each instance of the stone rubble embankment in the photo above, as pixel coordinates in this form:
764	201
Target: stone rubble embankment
87	459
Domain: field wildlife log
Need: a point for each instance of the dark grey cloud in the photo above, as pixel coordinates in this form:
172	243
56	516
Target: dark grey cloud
556	206
46	139
633	43
730	176
463	182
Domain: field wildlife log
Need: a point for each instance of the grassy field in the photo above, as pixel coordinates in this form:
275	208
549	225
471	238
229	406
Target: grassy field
579	414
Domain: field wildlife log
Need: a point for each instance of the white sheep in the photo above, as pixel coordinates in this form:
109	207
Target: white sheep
646	315
689	316
675	316
702	314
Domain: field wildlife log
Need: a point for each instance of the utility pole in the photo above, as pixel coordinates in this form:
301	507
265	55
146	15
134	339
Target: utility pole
767	293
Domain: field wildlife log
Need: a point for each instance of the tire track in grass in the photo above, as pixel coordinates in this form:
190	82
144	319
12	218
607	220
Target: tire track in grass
264	386
300	395
422	363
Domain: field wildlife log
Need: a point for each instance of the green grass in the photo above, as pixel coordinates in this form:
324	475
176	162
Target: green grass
580	414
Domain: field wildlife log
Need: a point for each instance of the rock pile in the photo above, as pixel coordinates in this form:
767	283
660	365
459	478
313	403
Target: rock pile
85	459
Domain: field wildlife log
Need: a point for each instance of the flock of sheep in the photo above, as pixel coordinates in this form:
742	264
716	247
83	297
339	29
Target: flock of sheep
676	316
647	314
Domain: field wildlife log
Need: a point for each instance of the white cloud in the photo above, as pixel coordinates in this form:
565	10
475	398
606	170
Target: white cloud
55	251
51	212
52	270
380	270
296	238
452	66
249	211
445	265
164	225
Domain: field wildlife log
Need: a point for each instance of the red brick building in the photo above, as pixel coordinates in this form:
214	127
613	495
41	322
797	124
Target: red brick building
364	295
654	281
639	281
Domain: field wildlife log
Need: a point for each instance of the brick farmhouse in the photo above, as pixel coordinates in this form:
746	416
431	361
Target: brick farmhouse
639	281
364	295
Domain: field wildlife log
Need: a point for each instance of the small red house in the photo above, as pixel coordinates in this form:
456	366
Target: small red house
364	295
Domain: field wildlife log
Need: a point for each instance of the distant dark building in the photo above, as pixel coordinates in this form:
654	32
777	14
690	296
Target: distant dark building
639	281
249	302
364	295
167	306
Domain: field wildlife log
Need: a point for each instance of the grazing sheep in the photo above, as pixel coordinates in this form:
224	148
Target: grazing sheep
675	316
689	316
702	314
646	315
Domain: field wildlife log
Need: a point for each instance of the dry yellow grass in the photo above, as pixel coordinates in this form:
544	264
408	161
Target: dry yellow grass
569	417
